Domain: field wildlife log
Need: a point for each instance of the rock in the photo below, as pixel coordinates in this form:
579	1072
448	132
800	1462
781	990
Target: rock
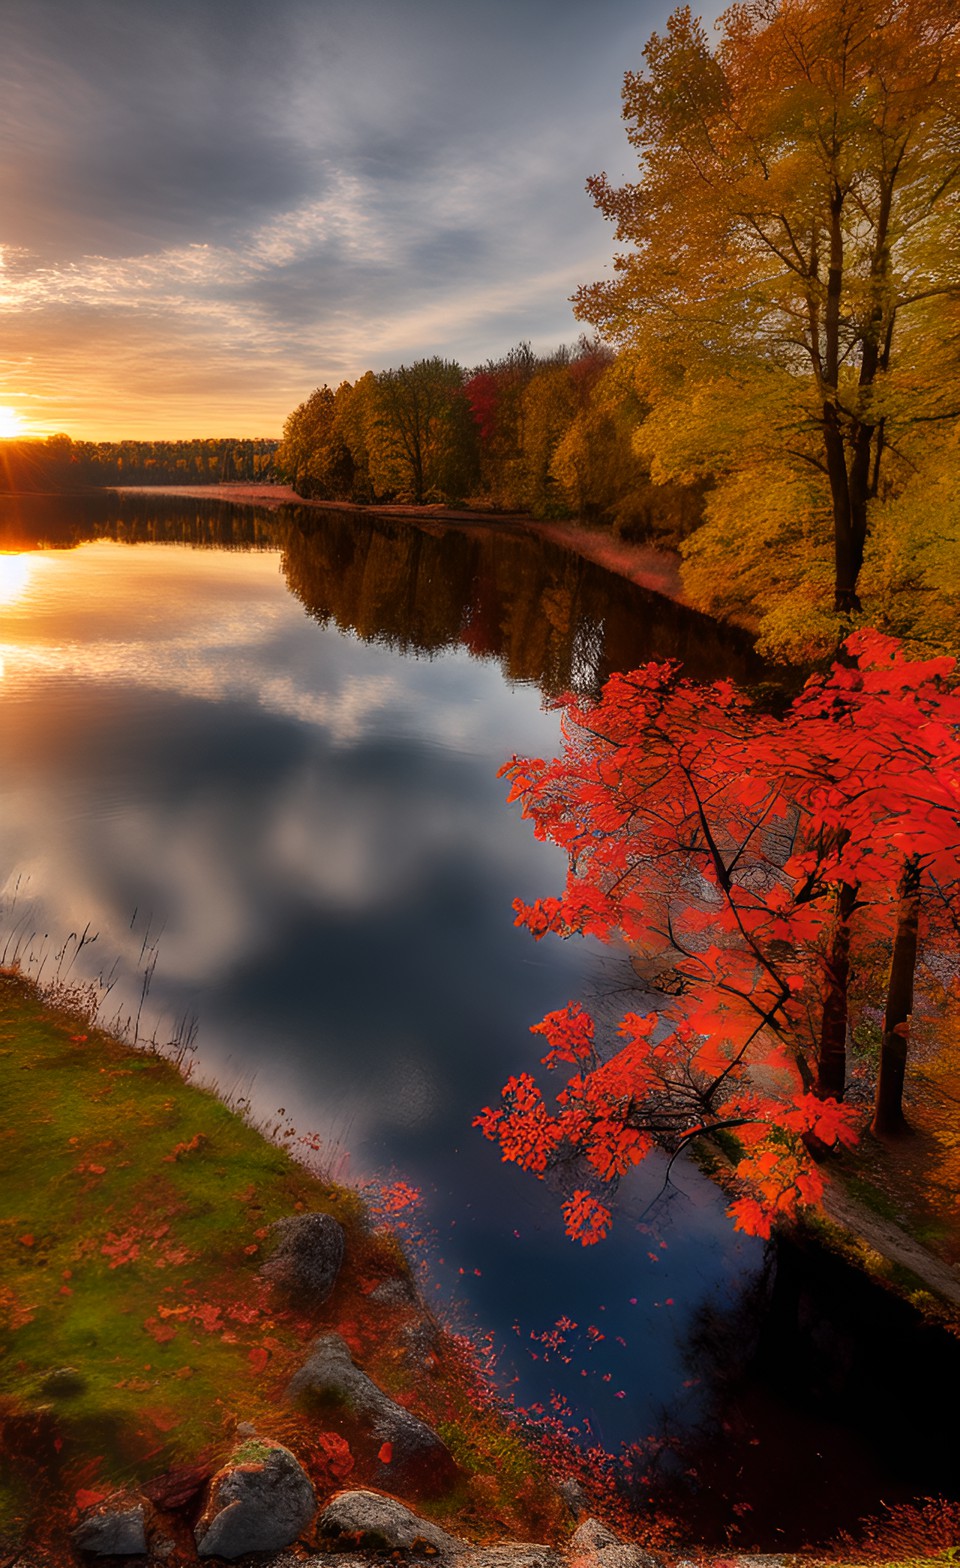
409	1452
515	1554
259	1502
421	1344
573	1494
64	1383
176	1488
381	1524
394	1292
594	1546
307	1258
117	1527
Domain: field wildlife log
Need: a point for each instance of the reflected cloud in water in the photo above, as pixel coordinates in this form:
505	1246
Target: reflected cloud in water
297	798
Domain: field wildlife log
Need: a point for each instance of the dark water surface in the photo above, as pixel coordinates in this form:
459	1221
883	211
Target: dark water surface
263	752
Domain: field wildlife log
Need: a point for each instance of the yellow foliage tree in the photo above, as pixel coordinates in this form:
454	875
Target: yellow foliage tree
790	267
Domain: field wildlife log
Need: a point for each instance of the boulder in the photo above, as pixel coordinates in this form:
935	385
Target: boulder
259	1502
64	1383
306	1260
592	1545
394	1292
117	1527
516	1554
408	1451
376	1523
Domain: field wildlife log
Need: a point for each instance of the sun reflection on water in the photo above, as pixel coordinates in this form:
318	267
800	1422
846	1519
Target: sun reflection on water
15	572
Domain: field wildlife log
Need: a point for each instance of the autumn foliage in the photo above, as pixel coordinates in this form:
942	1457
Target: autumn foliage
742	858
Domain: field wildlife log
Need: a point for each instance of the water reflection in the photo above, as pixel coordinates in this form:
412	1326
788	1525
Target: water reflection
547	616
310	824
14	576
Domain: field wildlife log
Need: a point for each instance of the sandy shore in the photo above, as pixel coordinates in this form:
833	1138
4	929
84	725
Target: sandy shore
657	570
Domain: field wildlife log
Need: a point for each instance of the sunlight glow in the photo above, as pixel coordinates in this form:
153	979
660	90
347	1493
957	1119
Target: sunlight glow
14	575
10	423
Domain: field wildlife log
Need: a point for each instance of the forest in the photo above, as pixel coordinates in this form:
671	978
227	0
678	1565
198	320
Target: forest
59	463
785	310
774	388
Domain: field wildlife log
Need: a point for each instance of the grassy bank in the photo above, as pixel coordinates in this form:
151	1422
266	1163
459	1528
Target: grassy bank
136	1334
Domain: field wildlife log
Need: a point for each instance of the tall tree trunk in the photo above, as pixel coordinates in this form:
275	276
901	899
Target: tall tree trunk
832	1054
888	1117
849	492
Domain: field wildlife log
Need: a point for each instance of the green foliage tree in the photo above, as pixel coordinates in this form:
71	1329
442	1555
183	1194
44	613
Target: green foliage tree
788	281
423	441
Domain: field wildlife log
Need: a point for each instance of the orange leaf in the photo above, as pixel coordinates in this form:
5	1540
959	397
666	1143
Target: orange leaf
87	1499
386	1453
161	1332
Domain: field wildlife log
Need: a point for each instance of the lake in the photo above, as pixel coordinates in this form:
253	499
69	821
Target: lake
255	756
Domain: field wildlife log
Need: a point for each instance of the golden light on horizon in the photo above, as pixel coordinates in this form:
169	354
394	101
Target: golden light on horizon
10	423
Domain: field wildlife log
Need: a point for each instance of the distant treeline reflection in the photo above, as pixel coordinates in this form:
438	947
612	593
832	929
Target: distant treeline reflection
548	616
51	522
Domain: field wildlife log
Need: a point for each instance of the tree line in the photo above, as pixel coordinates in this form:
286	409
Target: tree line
776	382
60	463
550	435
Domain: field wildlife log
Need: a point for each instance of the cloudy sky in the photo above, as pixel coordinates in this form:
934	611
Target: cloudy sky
209	207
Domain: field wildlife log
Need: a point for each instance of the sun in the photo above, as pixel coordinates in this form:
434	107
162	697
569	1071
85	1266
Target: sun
10	423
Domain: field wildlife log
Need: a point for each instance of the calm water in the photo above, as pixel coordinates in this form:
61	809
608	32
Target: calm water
264	754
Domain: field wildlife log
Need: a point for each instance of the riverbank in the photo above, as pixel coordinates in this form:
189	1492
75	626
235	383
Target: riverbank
419	541
143	1338
145	1348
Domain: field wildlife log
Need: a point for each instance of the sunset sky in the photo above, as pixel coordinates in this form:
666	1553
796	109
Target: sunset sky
209	207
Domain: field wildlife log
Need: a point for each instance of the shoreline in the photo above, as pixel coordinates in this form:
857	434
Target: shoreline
195	1344
141	1299
644	565
856	1222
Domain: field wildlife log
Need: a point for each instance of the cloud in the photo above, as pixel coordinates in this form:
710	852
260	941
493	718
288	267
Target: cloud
208	210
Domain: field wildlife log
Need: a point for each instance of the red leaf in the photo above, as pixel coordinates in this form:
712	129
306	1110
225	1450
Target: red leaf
85	1498
161	1332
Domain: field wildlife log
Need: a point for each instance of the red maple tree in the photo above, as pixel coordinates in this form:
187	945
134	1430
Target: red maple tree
739	855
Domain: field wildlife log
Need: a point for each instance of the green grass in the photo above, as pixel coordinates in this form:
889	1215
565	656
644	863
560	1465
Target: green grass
135	1331
133	1213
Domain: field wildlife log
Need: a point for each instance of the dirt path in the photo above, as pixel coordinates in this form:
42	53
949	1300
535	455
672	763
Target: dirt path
648	567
